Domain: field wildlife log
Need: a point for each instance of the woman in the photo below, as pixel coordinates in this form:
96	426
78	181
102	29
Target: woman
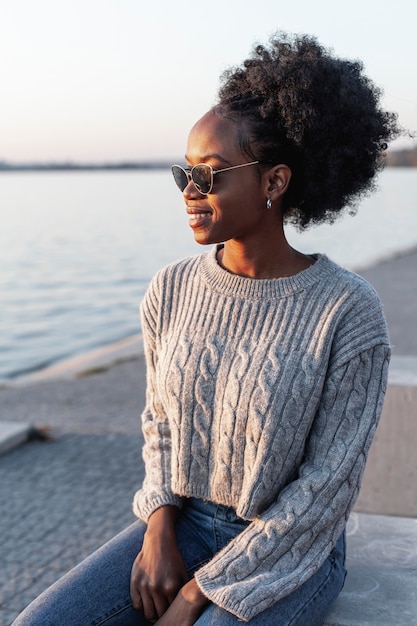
266	367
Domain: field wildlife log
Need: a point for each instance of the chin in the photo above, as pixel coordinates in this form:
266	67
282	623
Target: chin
206	240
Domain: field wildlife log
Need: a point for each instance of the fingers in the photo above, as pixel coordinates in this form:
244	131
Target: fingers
153	606
161	604
149	609
135	595
153	602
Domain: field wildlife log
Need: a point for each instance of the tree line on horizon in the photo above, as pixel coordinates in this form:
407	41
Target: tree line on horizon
402	158
406	157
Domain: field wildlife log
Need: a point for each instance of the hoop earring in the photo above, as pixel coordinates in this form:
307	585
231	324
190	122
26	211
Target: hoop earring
269	204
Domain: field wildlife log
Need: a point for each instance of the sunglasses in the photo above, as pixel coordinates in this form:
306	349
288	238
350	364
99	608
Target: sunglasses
201	175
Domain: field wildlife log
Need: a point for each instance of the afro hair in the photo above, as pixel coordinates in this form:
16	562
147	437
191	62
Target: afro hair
296	103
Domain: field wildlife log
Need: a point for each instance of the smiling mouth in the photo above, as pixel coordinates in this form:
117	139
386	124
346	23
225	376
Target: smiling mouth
193	216
198	219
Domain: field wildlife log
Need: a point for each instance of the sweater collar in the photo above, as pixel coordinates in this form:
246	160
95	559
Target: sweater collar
224	282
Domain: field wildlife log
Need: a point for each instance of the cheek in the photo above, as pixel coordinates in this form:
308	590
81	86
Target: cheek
237	200
225	209
231	196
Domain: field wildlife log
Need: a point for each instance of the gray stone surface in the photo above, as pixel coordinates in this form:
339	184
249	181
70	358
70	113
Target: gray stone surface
382	541
381	585
376	597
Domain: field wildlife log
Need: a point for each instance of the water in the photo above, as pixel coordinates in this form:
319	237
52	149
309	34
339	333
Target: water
77	251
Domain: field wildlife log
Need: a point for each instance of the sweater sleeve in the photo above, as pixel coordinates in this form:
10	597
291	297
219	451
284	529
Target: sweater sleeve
289	542
156	490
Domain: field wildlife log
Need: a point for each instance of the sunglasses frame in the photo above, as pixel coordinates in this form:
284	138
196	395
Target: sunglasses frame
189	174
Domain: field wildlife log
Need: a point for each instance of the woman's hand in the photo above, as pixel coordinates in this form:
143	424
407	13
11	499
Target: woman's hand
186	608
158	572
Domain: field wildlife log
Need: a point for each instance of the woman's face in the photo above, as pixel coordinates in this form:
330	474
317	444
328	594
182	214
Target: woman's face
236	206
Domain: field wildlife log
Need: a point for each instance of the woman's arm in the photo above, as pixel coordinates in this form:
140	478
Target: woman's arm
160	584
158	573
285	545
156	489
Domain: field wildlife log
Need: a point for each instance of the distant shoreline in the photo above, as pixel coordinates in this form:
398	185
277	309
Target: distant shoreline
394	158
84	167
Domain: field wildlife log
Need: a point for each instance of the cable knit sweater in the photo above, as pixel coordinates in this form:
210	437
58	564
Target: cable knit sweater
263	395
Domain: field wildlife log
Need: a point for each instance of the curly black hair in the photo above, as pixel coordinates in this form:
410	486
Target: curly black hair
295	103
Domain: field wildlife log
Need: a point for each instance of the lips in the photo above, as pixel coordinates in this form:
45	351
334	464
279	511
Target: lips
198	217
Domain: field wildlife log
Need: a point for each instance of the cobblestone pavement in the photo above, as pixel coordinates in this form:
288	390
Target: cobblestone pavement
62	499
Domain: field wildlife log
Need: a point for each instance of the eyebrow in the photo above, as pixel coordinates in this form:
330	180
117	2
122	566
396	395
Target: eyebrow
212	156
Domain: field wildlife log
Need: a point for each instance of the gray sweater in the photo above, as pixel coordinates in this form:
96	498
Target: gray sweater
263	395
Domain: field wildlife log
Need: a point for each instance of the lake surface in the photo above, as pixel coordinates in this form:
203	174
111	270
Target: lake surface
77	251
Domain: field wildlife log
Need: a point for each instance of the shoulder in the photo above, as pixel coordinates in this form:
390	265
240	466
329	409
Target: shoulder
158	300
175	274
361	295
342	284
361	324
175	271
346	278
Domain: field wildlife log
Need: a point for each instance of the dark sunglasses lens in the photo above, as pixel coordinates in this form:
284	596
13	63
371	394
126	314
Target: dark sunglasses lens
180	177
202	177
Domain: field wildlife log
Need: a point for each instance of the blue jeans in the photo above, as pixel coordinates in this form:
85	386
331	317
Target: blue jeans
96	592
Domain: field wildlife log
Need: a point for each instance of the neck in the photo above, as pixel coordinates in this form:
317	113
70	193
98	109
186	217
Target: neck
275	259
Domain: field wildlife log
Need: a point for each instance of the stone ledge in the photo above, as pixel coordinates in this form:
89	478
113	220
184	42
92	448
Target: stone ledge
389	483
12	434
381	585
376	597
403	371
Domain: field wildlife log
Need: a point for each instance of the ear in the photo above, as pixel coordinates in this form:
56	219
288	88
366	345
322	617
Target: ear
276	181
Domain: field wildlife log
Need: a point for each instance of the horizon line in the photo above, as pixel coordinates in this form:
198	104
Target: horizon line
395	157
84	165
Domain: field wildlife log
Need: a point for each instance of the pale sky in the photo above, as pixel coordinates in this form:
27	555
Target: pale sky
126	79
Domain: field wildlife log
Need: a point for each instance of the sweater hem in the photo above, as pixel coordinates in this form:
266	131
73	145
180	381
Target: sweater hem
225	499
232	607
144	509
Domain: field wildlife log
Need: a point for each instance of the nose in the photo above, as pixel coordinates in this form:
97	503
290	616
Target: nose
191	191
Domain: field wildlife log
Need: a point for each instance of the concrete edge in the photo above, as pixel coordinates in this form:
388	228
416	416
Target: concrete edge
403	371
93	361
13	434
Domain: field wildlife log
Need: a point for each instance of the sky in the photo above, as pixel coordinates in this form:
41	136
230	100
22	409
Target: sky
111	80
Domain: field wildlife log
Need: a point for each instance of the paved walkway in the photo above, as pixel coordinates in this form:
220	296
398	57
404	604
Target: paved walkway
61	499
396	282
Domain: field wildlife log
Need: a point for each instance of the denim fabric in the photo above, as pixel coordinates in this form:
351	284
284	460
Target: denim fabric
96	592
